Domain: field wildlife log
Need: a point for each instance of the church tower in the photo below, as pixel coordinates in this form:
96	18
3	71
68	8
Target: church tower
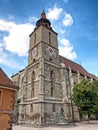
43	65
40	93
43	42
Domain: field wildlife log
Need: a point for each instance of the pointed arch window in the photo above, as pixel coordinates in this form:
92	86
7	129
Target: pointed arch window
32	84
31	108
52	83
52	74
53	109
51	91
33	76
32	92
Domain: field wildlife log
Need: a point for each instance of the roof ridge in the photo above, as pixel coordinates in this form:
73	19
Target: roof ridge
6	81
70	60
76	67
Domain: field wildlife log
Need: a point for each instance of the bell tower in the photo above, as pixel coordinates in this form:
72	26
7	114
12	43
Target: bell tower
43	42
43	62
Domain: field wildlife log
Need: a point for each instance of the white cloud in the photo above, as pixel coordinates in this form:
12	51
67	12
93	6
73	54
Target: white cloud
6	26
66	49
68	20
8	60
62	31
33	19
54	13
0	46
17	40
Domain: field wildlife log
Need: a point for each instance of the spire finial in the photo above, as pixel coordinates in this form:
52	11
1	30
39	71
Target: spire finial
43	9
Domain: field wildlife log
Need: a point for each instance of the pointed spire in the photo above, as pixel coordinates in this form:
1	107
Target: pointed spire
43	9
43	15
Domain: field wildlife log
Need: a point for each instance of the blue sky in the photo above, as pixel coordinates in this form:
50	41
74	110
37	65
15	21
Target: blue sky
75	21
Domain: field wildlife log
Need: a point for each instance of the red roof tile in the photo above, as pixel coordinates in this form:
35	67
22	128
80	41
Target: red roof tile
76	67
5	81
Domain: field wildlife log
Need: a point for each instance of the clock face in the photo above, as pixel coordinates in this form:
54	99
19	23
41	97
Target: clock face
50	51
34	52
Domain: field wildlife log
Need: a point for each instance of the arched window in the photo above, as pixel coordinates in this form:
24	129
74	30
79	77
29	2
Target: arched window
52	83
32	84
53	109
51	91
49	38
31	108
32	92
52	74
33	76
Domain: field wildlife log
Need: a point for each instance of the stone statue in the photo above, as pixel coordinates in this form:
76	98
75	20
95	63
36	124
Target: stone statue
62	111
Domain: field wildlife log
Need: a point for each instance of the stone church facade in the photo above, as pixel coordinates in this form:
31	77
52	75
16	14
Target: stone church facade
46	83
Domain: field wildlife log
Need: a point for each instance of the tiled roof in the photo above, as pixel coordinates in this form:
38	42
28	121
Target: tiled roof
5	81
76	67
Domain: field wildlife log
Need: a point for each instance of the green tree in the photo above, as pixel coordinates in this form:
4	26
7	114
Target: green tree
95	83
85	97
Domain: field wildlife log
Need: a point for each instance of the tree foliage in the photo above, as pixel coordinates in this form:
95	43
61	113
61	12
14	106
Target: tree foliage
85	97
